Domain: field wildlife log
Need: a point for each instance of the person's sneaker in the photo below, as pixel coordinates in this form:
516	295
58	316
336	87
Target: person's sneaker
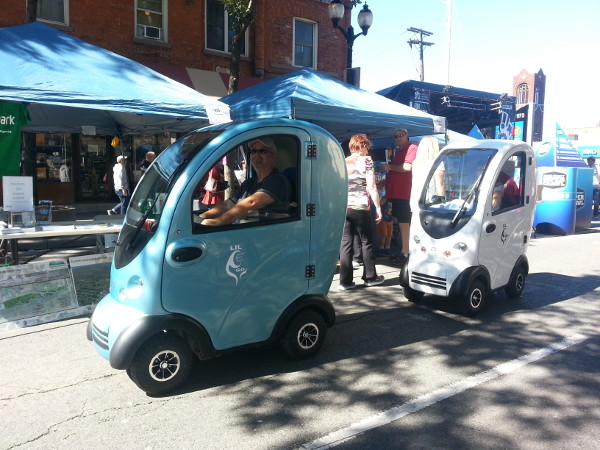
341	287
356	264
375	281
399	260
110	212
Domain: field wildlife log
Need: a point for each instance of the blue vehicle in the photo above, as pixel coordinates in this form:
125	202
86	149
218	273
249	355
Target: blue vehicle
180	290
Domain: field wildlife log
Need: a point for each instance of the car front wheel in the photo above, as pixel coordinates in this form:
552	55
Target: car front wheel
161	365
412	295
474	299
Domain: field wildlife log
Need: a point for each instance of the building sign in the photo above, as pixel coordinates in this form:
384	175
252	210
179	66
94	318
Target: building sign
589	150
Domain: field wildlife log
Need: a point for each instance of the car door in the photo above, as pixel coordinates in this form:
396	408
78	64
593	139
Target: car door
237	279
507	218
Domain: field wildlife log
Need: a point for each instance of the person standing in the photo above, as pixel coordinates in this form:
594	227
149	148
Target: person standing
361	186
214	189
398	188
427	151
121	181
148	159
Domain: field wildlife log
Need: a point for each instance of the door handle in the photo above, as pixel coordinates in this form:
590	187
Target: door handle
184	254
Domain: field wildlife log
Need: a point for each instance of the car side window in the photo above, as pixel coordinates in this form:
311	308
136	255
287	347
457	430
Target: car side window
262	171
508	187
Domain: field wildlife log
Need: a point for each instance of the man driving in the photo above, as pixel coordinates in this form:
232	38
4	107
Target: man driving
267	189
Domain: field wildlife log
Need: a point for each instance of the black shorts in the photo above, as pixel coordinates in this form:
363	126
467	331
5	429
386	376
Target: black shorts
401	210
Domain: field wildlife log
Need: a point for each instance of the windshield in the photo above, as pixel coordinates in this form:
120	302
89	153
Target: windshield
146	206
453	182
151	193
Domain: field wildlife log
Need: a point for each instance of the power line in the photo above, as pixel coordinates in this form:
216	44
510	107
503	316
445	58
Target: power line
421	44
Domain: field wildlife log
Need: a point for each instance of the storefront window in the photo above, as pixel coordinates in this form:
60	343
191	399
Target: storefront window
53	152
79	167
93	168
143	145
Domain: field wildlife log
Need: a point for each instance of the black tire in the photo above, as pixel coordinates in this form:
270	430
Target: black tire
516	284
412	295
474	299
304	335
161	365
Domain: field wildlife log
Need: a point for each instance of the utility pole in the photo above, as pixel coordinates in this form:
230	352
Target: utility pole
421	44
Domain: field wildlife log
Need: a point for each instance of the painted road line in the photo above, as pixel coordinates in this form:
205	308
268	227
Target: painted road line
431	398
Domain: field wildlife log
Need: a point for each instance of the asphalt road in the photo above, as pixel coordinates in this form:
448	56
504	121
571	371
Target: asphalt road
524	374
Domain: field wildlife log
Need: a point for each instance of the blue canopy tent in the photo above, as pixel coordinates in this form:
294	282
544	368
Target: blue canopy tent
71	86
340	108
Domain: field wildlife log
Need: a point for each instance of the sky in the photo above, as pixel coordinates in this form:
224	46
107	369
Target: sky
490	43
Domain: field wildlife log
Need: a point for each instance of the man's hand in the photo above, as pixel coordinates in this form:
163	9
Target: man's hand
210	222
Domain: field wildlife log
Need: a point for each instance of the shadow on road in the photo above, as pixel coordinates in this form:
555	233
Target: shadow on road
370	341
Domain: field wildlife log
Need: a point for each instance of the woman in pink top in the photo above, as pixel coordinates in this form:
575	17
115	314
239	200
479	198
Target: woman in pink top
361	187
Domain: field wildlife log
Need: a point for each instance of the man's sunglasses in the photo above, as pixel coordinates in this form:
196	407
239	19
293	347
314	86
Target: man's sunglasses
398	136
261	151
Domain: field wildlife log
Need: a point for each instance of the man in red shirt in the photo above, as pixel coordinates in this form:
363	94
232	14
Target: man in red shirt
398	186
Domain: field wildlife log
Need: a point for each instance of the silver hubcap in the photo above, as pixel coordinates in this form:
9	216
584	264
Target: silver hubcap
164	365
476	297
520	282
308	336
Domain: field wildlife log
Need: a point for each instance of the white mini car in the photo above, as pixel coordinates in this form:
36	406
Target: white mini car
472	225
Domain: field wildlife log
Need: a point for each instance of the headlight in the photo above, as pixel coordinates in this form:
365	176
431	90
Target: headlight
134	289
461	246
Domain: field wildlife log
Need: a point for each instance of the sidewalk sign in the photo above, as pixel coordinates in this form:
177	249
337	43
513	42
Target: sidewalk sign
35	293
17	193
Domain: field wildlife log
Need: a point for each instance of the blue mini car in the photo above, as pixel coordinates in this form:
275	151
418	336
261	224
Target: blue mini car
180	289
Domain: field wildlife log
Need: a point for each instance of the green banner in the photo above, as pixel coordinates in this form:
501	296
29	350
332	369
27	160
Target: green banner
12	117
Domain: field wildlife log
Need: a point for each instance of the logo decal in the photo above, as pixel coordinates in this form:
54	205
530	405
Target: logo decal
554	180
235	267
579	199
504	235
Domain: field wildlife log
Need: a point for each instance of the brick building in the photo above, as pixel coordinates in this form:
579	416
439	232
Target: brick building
187	40
172	36
530	91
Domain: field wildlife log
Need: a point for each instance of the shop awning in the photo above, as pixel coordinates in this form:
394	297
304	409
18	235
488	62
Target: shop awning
71	86
211	84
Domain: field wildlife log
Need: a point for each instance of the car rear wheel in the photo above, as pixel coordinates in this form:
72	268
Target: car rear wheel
304	335
161	365
516	284
475	298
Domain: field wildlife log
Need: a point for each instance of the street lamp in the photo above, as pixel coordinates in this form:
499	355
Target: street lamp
365	19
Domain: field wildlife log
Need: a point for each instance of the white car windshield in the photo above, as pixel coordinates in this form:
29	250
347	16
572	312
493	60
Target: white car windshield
453	181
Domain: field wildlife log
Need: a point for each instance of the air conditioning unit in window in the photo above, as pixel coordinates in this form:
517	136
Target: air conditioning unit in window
147	31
